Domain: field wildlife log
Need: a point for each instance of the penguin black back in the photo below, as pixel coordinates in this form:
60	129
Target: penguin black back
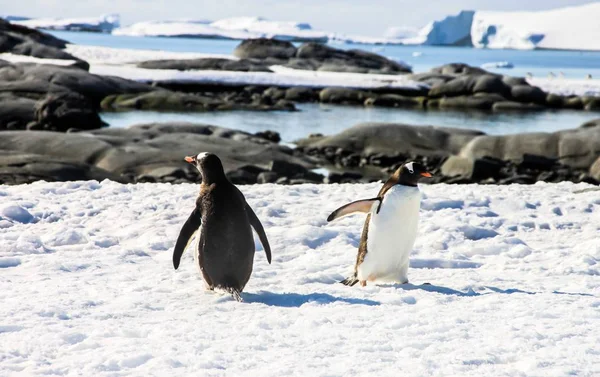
225	248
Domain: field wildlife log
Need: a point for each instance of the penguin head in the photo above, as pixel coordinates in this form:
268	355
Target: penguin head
410	173
209	166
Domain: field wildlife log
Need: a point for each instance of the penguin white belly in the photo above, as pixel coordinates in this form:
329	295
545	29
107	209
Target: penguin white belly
391	236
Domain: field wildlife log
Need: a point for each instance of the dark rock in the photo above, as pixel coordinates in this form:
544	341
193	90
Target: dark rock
458	69
287	169
343	96
16	111
241	177
574	103
263	48
22	40
267	177
555	101
269	135
218	64
59	112
456	87
301	94
274	93
368	139
475	170
531	161
526	93
491	84
592	104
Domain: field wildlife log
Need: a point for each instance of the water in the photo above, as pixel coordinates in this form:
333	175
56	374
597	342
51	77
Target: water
330	119
573	64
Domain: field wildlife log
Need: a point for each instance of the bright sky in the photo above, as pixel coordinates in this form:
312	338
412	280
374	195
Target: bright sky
365	17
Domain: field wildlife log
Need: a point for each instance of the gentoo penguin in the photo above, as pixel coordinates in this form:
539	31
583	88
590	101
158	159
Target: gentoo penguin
225	248
390	229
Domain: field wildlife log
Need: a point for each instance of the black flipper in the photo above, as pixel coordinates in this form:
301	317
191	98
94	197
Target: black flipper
363	205
189	228
350	281
258	228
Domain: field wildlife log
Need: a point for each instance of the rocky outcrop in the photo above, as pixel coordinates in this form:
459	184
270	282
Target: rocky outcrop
22	40
48	97
146	153
259	54
461	156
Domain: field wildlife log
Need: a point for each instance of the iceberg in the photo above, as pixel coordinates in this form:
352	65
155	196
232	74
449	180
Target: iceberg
102	24
229	28
571	28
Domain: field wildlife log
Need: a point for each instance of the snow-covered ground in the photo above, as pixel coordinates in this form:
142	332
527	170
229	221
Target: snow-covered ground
105	23
229	28
87	286
281	77
116	56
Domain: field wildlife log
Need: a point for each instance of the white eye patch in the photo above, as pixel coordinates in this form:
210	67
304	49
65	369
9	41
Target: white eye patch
410	167
200	156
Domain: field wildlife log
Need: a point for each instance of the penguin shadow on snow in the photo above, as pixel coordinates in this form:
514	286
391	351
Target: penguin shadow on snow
428	287
295	300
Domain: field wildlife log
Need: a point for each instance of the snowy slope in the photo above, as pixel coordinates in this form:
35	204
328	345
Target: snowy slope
229	28
104	23
87	286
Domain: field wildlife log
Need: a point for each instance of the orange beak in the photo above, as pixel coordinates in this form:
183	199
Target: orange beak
427	174
190	159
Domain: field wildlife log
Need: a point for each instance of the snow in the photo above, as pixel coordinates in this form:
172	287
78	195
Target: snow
116	56
570	28
567	87
14	58
229	28
515	286
282	76
105	23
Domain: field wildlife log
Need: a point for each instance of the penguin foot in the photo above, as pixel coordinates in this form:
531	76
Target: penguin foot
350	281
363	283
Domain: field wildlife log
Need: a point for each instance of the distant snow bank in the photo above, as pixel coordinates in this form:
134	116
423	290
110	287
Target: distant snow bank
229	28
104	24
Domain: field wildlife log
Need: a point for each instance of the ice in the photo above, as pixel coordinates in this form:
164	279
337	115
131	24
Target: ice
510	294
493	65
105	23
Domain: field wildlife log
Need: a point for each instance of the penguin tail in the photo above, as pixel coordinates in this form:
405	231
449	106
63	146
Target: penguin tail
350	281
236	293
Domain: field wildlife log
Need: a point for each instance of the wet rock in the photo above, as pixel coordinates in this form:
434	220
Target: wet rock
262	48
592	104
393	100
516	106
466	102
343	96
